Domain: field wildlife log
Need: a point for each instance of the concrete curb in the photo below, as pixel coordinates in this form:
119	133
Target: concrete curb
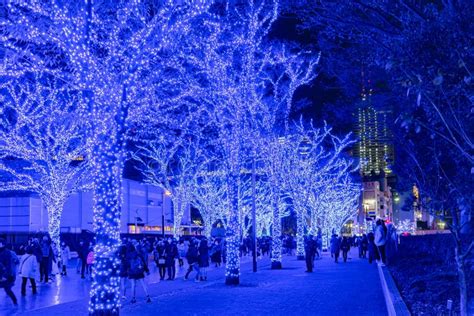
395	304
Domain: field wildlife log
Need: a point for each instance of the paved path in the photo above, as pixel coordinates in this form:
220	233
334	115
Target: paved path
351	288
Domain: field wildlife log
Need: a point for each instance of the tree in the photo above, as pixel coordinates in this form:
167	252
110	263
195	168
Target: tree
117	52
45	146
210	196
424	50
312	156
172	166
248	86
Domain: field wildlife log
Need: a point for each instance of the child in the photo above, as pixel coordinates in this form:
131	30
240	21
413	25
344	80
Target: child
90	261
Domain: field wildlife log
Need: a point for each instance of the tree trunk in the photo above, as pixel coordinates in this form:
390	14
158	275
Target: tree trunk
105	289
232	273
463	295
276	235
55	209
177	217
299	234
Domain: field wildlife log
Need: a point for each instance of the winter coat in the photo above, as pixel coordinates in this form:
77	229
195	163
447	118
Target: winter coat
203	255
380	236
83	251
28	266
90	258
192	255
182	250
335	244
65	255
310	247
345	244
216	253
171	253
7	269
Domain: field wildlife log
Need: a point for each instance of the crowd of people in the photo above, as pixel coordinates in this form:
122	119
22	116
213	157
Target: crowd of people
379	245
40	258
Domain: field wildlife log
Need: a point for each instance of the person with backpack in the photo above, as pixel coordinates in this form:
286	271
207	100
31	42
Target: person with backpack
7	270
136	272
28	270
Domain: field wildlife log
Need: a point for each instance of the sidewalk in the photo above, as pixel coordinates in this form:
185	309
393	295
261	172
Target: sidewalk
351	288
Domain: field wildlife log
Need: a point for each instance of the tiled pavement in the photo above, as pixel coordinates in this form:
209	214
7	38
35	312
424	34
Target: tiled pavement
351	288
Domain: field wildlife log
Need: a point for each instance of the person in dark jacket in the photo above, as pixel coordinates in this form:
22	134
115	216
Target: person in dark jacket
82	252
122	254
216	253
137	267
46	259
364	245
7	274
371	247
160	258
310	252
171	254
192	256
345	247
203	259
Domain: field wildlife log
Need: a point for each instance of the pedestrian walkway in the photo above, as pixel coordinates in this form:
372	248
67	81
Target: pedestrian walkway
351	288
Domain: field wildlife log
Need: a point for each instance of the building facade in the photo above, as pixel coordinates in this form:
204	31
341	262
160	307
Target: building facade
144	208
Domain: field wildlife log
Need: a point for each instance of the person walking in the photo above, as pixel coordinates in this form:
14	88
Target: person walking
28	270
203	259
7	271
46	255
171	253
310	251
371	247
380	239
82	252
335	247
160	259
345	247
216	253
123	272
192	256
65	256
136	272
182	250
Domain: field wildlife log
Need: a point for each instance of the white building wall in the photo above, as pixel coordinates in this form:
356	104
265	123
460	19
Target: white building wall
27	214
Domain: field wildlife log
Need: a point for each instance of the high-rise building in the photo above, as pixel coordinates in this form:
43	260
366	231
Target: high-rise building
374	149
375	140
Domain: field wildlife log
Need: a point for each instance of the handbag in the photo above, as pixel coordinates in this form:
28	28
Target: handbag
161	261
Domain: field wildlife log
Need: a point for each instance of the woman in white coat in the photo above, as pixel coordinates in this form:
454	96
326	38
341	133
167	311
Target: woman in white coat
28	270
65	256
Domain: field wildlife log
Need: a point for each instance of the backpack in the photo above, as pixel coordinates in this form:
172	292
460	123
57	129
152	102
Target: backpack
137	265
